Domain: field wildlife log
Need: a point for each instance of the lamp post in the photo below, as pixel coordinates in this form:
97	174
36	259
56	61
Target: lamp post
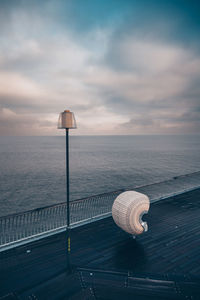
67	121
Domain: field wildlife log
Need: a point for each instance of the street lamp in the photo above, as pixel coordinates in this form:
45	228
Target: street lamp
67	121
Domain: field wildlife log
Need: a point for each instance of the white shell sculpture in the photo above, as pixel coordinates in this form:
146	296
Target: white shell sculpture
128	209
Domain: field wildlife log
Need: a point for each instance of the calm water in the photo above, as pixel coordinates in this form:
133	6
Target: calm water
32	170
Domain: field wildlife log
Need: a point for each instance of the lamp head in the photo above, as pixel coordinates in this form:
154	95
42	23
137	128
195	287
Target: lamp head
66	120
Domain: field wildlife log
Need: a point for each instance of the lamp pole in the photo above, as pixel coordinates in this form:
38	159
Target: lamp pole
67	176
67	199
67	121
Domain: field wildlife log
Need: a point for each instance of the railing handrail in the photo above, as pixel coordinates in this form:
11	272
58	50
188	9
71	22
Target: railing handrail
59	204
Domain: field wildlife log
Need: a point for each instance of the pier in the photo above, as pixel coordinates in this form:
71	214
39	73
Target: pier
107	263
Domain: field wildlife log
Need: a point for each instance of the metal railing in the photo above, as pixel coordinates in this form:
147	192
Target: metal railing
27	226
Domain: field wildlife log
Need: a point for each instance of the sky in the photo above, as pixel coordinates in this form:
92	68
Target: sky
124	67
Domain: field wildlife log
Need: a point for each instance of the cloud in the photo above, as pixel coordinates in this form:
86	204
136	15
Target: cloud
116	77
12	123
16	85
150	86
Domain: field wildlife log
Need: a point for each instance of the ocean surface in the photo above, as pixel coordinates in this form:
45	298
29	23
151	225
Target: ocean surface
32	169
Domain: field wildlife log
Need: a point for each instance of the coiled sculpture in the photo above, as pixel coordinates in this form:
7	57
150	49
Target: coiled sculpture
128	209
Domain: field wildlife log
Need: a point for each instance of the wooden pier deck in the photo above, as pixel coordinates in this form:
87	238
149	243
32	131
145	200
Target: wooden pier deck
107	263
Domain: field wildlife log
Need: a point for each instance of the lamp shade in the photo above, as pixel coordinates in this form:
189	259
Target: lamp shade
66	120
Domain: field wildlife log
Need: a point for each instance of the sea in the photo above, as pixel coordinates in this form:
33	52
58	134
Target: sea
32	169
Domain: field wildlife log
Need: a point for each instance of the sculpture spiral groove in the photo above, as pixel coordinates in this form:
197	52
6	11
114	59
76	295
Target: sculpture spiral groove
128	209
